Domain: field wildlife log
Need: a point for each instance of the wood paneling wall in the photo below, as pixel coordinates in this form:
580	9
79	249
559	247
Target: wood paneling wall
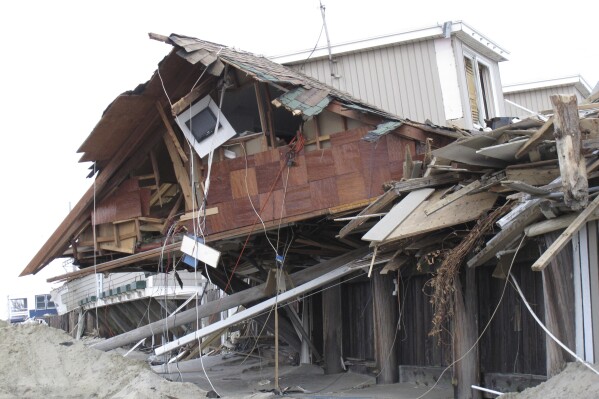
351	170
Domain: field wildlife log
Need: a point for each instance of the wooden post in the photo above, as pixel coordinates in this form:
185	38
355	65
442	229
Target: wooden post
332	325
465	329
558	296
385	326
571	162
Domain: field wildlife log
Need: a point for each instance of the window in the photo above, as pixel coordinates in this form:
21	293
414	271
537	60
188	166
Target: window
480	91
18	305
43	302
198	123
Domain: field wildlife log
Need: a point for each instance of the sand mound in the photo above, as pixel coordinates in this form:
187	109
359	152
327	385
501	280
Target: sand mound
40	361
576	381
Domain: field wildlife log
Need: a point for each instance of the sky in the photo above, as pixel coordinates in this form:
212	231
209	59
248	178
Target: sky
63	62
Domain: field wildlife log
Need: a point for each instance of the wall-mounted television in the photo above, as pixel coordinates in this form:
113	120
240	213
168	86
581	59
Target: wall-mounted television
198	124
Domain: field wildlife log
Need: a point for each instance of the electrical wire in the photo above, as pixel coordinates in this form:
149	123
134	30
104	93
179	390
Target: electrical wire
474	345
540	323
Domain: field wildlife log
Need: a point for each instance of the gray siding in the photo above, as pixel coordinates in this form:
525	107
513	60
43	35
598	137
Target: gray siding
536	100
401	79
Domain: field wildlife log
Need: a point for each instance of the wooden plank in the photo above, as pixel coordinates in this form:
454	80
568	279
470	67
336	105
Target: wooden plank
379	204
465	209
263	117
206	212
385	324
403	209
525	188
332	328
452	197
171	133
257	309
558	295
568	143
505	152
338	108
537	176
507	235
156	173
238	299
180	171
566	236
423	182
194	94
394	264
541	134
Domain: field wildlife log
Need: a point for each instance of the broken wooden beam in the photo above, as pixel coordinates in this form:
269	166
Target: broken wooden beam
379	204
543	132
568	143
566	236
510	232
228	302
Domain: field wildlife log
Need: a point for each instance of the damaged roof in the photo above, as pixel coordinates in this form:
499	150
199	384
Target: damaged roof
129	124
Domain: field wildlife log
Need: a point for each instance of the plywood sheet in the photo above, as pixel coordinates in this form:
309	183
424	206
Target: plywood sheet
240	162
351	188
298	200
298	173
349	136
220	188
465	152
324	193
465	209
271	206
347	158
126	245
320	164
119	206
262	158
266	175
397	215
396	170
243	182
396	148
505	152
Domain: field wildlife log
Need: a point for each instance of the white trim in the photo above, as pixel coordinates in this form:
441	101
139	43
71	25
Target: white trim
587	316
576	81
458	28
447	69
477	58
578	318
216	139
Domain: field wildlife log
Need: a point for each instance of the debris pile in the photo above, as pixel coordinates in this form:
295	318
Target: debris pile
541	171
43	362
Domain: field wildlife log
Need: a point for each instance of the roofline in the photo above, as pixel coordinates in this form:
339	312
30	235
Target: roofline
575	80
458	28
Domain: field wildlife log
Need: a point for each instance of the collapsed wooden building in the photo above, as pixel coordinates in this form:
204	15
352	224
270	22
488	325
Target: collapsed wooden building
378	240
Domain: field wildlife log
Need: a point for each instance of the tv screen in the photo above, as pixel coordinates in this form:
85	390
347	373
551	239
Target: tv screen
202	124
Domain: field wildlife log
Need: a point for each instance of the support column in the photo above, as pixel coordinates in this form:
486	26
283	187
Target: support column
331	326
558	296
465	332
385	325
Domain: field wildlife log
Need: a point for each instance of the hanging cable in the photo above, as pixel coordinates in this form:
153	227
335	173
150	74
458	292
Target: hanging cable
540	323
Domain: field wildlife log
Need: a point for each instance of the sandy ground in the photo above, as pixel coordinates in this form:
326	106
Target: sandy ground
576	381
42	362
234	378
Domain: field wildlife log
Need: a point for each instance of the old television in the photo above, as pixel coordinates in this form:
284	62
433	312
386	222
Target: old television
198	124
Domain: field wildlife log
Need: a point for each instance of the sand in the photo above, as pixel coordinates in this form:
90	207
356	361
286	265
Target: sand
42	362
576	381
